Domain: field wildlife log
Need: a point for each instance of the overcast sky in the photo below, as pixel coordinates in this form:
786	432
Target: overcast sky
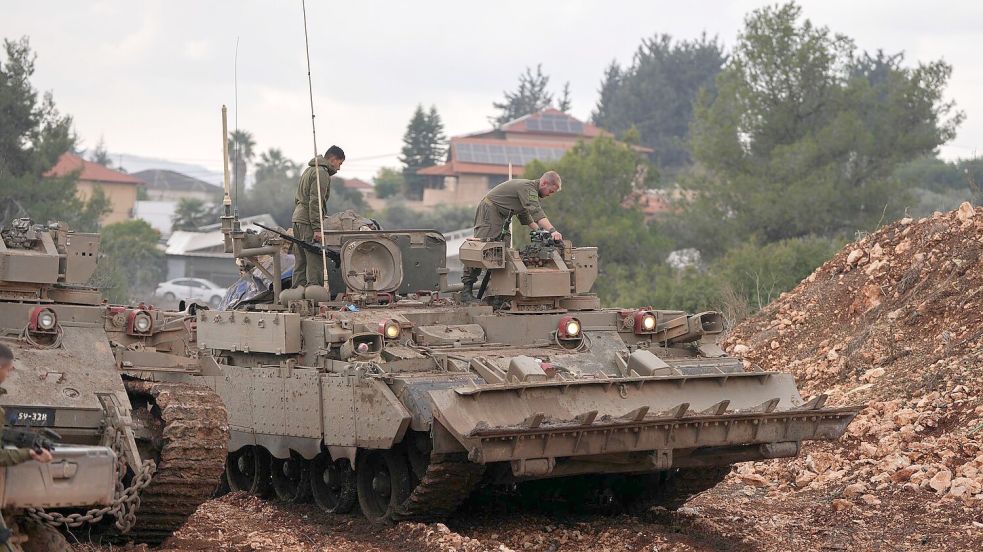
151	76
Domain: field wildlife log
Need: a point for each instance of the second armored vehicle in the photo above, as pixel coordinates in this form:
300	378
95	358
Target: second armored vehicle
393	395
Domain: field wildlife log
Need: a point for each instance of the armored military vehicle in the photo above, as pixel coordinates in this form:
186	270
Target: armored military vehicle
71	348
385	392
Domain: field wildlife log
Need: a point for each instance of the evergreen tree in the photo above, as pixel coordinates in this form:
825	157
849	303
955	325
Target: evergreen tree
655	94
530	96
32	137
803	136
100	155
424	145
566	103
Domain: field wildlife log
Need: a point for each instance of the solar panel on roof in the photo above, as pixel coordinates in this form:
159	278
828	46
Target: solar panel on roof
550	122
495	154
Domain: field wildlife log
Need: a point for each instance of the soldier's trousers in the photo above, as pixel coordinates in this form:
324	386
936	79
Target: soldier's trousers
488	224
308	267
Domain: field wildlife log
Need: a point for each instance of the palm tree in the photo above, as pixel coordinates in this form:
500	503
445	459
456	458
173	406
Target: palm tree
241	153
273	164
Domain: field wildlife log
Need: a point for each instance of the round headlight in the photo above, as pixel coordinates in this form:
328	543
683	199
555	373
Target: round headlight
648	322
390	329
47	320
142	322
568	328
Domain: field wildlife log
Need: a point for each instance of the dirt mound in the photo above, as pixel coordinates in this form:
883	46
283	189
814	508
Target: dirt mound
894	320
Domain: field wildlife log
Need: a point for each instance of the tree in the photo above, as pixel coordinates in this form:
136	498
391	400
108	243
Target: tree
566	103
33	134
100	155
131	261
389	182
594	208
655	94
190	215
241	144
88	217
803	136
274	189
530	96
424	145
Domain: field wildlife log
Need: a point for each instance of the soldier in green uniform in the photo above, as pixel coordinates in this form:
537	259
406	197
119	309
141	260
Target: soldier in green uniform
517	197
308	269
13	456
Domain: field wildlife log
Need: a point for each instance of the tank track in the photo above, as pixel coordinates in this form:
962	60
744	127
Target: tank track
675	488
191	433
447	482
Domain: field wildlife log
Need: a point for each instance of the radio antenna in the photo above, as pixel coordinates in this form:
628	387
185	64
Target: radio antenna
235	123
317	169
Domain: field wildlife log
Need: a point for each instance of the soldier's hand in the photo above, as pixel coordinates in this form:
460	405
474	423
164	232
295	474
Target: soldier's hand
44	456
556	235
317	235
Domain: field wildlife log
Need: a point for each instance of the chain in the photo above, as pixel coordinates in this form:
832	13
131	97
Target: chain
126	501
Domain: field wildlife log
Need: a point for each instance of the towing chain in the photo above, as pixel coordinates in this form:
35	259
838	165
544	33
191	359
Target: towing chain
126	501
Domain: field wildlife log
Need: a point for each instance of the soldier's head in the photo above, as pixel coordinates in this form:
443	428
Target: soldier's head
335	156
549	184
6	362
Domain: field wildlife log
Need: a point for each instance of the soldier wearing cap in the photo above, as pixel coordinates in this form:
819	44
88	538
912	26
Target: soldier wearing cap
308	268
13	456
517	197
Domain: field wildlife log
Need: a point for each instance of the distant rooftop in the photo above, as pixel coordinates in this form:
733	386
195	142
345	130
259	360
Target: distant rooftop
162	179
92	172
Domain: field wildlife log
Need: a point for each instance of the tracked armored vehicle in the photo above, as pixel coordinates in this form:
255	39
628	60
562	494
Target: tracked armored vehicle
391	395
71	348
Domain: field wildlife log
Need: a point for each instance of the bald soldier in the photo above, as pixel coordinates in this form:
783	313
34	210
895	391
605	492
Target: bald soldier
517	197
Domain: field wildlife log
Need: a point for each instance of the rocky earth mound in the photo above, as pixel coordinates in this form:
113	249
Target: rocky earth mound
895	320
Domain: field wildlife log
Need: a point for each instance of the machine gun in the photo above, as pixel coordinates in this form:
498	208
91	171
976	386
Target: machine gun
312	247
36	440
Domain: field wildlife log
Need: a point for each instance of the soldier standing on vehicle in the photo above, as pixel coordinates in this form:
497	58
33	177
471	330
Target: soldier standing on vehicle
308	269
13	456
517	197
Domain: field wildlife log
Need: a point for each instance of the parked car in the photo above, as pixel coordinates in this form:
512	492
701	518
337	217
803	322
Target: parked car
196	289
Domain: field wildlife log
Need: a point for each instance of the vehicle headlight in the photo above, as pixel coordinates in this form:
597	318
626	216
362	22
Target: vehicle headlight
390	329
568	328
645	322
47	320
140	323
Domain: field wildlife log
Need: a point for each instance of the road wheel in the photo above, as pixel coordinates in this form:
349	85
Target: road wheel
291	478
333	484
248	469
383	482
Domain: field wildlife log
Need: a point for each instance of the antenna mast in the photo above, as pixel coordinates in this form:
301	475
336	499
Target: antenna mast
317	169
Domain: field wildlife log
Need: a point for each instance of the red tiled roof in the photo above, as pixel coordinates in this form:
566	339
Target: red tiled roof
93	172
500	142
357	184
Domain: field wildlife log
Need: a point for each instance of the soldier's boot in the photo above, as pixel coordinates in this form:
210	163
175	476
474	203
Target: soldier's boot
469	278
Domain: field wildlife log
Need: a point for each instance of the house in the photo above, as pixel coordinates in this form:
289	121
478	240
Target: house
477	162
202	254
165	185
120	188
359	186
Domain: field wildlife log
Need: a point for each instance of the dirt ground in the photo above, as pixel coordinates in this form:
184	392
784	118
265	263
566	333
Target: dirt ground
894	321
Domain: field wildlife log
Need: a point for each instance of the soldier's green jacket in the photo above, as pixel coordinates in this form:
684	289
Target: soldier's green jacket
306	210
520	196
10	456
